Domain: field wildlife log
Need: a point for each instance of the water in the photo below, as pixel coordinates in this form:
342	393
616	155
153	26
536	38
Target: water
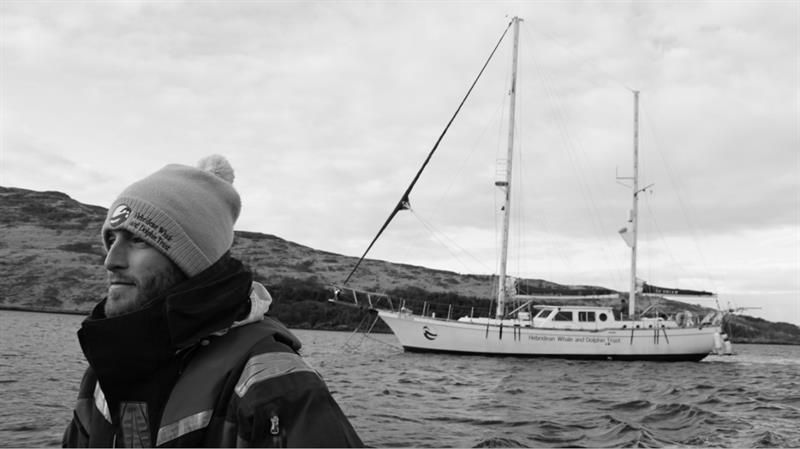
751	399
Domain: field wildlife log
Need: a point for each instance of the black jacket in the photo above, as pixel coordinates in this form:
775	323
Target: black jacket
191	370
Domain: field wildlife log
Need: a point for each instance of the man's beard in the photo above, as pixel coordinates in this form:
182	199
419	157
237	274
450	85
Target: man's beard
147	291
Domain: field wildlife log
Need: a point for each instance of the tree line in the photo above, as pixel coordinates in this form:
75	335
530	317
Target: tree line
303	304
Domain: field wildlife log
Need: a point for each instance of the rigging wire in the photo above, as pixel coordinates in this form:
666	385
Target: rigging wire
585	60
521	199
574	159
519	196
456	174
404	201
499	155
662	238
687	216
574	153
435	233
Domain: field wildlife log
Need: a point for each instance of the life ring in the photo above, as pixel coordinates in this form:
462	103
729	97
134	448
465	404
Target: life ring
684	319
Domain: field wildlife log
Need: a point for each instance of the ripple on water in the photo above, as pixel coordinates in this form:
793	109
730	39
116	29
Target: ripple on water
550	433
500	442
612	432
635	405
769	439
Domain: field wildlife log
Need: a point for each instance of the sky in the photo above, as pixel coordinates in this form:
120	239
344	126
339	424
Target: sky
326	109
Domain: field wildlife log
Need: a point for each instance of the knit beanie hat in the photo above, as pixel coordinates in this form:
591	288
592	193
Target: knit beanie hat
185	212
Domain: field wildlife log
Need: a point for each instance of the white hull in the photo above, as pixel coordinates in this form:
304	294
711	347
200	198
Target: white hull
423	334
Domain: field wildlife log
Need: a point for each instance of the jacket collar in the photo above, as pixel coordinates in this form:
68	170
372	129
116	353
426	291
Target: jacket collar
130	348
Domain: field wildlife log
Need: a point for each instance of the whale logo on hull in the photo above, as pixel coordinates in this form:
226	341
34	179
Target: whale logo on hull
428	333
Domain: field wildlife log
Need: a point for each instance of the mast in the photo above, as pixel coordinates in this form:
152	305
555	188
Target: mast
501	293
635	209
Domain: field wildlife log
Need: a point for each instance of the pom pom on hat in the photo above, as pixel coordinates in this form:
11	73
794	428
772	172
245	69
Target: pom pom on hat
185	212
217	165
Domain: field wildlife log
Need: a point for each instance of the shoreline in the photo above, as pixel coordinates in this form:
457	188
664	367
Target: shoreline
43	310
86	313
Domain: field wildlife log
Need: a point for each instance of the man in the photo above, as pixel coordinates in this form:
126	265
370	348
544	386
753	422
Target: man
180	352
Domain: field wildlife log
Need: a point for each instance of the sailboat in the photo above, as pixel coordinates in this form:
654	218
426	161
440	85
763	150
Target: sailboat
564	331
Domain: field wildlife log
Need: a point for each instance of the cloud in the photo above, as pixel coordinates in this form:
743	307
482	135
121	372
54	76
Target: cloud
326	110
35	163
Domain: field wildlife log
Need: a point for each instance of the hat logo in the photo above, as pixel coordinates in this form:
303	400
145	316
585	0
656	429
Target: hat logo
121	213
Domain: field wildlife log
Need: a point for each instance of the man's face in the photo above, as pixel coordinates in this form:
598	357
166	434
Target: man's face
137	273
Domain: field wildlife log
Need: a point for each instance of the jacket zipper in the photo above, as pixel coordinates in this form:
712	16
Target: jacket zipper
275	430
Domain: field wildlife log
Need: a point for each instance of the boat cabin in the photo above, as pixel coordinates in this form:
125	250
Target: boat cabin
592	318
588	318
575	317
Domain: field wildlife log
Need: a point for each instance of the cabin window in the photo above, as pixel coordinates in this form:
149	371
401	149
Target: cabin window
544	313
585	316
603	317
563	316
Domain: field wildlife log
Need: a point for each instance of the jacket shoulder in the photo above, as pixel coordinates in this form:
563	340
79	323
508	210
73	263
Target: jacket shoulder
201	393
250	387
281	401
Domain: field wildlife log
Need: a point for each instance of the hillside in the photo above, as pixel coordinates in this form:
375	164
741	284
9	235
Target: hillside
60	237
51	257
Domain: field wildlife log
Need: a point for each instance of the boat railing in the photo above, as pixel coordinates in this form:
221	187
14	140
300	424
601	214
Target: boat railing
359	298
565	297
442	310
